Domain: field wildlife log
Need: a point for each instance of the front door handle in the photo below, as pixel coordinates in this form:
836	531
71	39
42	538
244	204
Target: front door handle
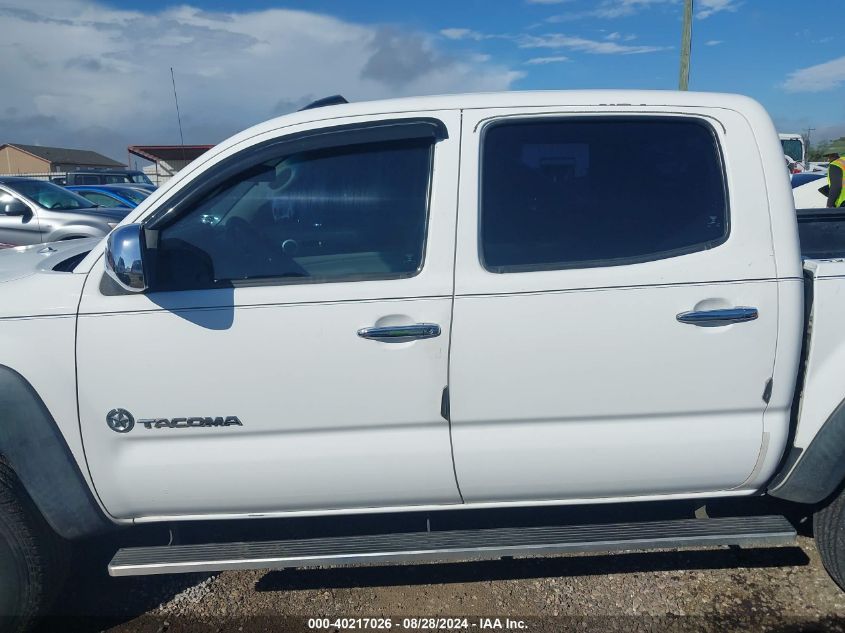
400	332
724	316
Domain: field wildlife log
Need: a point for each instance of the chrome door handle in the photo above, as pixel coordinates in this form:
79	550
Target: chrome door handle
725	316
400	332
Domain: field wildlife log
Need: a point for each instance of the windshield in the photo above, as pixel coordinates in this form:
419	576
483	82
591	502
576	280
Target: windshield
135	195
50	196
140	178
794	149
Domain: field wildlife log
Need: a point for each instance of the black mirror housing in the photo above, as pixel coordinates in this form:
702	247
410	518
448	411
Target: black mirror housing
14	207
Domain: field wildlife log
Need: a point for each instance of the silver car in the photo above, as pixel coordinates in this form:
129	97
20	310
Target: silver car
35	211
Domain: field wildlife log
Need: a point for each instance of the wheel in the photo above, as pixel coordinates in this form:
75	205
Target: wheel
829	532
27	547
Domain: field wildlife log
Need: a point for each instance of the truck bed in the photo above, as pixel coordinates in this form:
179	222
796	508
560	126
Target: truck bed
822	233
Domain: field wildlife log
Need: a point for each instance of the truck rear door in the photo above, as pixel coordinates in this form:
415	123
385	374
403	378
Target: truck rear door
616	305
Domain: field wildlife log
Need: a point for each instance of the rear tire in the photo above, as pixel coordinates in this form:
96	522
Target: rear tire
829	532
27	548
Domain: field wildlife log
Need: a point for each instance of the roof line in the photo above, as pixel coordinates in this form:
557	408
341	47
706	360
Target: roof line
20	149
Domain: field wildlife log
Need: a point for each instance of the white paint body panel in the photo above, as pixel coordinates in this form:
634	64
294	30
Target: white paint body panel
808	196
823	381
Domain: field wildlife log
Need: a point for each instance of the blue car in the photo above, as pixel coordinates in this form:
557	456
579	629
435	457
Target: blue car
111	195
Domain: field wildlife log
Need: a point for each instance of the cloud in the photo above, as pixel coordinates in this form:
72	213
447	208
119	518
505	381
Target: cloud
706	8
93	76
616	37
713	42
462	34
818	78
559	40
539	61
400	58
610	9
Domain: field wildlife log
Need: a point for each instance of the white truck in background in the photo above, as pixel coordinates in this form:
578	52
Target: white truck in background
418	305
794	148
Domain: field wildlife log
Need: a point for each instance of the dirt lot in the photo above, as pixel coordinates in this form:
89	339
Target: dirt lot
717	589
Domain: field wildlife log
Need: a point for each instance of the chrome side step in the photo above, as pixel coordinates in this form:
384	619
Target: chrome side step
452	545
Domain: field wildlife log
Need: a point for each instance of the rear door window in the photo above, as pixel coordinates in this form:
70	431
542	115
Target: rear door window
587	192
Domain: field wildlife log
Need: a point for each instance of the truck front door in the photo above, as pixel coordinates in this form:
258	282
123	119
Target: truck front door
292	352
616	306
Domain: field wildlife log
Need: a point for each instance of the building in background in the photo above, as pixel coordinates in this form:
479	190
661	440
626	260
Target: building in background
166	159
16	158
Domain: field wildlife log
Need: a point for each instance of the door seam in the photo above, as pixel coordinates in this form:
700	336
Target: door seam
452	306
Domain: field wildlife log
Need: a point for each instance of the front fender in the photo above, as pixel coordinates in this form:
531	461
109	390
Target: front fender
75	231
35	449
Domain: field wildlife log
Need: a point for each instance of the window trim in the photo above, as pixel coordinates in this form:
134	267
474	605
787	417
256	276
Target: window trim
308	140
599	263
335	137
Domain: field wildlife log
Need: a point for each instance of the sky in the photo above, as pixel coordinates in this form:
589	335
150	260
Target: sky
96	75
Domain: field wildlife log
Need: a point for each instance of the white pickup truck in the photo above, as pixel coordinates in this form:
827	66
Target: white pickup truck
417	305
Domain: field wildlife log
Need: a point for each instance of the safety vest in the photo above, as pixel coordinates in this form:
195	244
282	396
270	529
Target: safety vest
840	163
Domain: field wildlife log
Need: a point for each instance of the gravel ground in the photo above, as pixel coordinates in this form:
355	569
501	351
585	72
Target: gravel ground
717	589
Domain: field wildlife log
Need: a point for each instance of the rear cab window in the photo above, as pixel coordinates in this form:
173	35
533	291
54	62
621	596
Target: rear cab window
585	192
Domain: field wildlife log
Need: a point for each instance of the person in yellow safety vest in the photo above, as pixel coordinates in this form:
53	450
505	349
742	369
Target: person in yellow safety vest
835	177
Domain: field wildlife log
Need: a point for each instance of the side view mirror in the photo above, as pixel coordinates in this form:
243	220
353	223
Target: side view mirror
13	206
125	251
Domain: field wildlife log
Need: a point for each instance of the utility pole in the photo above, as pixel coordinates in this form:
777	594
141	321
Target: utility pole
686	44
807	151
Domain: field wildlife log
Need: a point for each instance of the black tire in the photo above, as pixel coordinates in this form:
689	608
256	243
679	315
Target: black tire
27	548
829	532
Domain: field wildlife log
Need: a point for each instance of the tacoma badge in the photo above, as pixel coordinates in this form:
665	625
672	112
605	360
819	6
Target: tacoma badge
121	421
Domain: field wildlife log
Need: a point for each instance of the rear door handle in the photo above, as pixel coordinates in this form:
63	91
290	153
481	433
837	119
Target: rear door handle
400	332
725	316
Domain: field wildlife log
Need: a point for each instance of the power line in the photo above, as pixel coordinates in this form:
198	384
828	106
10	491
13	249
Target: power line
178	116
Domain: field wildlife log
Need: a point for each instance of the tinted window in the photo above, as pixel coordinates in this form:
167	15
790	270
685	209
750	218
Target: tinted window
140	178
110	179
135	195
598	192
101	199
793	148
356	212
50	196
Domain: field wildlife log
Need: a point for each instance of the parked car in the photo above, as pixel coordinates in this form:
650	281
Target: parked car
808	196
35	211
111	195
106	177
804	177
418	305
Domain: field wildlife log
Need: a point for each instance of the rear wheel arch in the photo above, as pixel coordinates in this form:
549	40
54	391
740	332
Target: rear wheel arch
814	474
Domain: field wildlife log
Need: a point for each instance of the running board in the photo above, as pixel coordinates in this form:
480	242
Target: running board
452	545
